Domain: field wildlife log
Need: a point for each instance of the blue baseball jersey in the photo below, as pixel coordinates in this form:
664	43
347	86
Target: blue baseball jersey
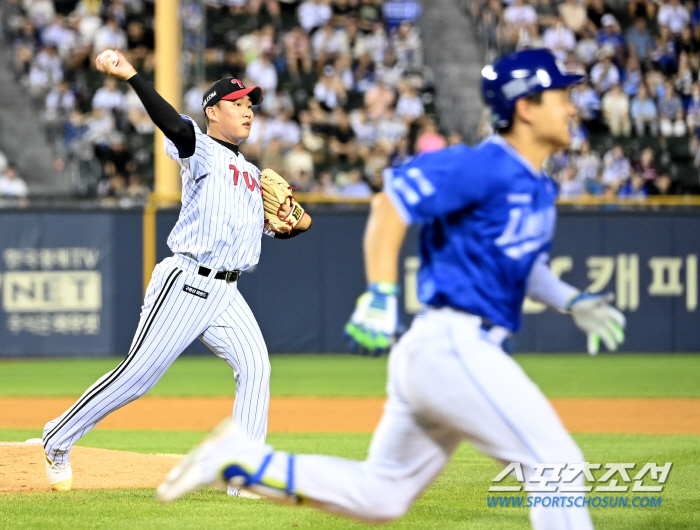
487	214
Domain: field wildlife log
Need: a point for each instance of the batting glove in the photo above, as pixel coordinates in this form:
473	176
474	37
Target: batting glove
594	315
372	326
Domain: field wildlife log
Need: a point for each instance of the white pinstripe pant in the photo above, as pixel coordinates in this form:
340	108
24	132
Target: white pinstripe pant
171	318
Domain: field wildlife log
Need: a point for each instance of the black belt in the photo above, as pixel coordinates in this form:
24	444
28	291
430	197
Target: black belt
229	276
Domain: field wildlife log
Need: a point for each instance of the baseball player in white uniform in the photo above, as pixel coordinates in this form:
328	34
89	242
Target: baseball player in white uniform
488	219
193	294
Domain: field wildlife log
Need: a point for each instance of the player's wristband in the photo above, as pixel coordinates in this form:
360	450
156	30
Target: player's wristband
384	288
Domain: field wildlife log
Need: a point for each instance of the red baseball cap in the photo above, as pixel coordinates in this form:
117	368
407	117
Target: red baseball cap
230	89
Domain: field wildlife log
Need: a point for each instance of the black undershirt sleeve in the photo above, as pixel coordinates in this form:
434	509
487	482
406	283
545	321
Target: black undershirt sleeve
179	131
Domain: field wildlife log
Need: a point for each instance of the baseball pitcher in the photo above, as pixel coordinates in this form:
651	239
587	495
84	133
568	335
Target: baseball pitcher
227	204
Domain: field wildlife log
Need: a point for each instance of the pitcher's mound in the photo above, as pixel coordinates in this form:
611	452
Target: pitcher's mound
22	468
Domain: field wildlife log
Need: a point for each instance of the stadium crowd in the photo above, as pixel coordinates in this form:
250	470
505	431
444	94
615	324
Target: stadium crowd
638	115
346	89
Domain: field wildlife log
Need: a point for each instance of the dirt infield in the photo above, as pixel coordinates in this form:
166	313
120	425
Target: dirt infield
580	415
22	465
22	468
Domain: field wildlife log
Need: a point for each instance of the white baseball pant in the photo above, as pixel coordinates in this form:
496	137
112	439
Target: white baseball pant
180	305
447	383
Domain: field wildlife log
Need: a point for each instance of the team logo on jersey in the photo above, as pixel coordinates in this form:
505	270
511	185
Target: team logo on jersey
197	292
526	230
250	181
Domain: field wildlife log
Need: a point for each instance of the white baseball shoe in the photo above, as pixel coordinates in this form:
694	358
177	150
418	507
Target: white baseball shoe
213	462
60	475
235	492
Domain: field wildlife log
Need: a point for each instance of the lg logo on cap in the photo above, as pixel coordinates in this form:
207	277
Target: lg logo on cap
237	83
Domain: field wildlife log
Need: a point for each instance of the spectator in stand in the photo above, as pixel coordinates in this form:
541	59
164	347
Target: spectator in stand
519	14
355	187
587	49
330	91
587	103
11	184
364	129
596	10
140	44
616	167
402	153
390	129
369	15
577	133
109	37
378	100
605	75
560	39
570	187
610	37
586	163
390	70
662	185
429	139
642	9
574	15
674	16
272	156
407	46
640	41
655	83
694	12
283	128
616	111
314	14
262	72
646	166
693	114
327	42
298	164
546	12
634	188
633	76
342	137
671	117
59	103
664	55
684	79
136	188
297	47
689	44
59	35
409	106
109	97
529	38
644	114
46	71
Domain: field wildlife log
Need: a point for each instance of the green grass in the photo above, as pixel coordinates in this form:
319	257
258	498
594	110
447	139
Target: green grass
456	500
344	375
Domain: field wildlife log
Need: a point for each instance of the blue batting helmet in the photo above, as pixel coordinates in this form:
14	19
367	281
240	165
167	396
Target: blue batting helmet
518	74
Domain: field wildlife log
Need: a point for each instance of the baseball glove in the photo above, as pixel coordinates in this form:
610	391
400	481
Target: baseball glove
282	211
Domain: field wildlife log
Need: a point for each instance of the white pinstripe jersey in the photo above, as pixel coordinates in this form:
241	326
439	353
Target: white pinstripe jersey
221	220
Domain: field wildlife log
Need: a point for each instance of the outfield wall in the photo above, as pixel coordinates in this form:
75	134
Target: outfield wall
72	280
